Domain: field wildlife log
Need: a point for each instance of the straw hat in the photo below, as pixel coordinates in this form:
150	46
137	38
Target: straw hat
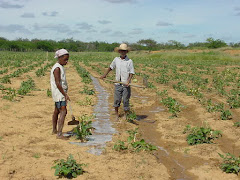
122	47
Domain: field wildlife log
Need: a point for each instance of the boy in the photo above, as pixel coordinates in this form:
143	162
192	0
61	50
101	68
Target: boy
124	73
59	89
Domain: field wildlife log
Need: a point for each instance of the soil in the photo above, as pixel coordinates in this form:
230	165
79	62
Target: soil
28	148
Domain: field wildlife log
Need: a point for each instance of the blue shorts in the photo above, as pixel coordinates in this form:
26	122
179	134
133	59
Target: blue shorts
60	104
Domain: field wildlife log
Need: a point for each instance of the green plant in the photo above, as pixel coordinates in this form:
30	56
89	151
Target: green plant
136	145
49	93
237	124
231	163
226	115
87	102
37	155
200	135
84	129
26	86
87	91
10	94
172	105
68	169
6	79
131	116
133	144
120	146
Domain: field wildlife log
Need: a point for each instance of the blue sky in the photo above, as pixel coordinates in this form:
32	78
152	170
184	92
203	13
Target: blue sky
185	21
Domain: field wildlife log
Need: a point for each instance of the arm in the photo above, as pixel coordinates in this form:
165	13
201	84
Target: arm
56	74
129	79
106	73
132	72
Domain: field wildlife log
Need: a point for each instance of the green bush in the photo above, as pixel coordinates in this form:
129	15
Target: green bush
133	144
84	129
68	169
200	135
231	163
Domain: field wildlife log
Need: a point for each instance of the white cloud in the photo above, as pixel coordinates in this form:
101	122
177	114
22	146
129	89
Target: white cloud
136	31
104	22
60	28
50	14
13	28
7	5
105	31
162	23
84	26
28	15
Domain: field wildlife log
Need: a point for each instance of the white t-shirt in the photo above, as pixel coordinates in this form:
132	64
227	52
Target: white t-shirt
124	67
56	94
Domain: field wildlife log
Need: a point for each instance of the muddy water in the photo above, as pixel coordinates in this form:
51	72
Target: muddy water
147	123
103	127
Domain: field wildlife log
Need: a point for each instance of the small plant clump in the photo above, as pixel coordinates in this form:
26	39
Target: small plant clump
84	129
68	169
237	124
26	86
231	163
200	135
49	93
87	91
131	116
9	94
226	115
133	144
172	104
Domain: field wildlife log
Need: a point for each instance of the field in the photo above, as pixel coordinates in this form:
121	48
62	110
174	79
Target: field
188	93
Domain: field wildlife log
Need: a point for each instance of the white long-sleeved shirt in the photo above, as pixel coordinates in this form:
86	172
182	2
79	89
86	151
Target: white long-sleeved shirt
124	67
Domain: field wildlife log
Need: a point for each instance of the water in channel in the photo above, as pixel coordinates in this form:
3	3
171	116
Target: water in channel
103	127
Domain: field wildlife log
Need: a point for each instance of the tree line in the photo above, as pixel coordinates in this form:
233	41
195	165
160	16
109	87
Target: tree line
96	46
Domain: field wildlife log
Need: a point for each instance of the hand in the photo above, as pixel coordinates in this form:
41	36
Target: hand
67	98
103	76
127	84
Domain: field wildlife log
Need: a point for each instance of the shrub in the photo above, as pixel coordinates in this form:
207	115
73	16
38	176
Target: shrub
200	135
231	163
68	169
84	129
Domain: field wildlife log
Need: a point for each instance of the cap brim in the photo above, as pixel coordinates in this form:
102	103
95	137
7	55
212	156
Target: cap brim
116	49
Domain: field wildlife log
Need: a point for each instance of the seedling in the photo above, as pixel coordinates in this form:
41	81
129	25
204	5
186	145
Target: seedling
36	155
26	86
226	115
131	116
200	135
120	146
10	94
49	93
133	144
231	163
68	169
84	129
237	124
87	102
87	91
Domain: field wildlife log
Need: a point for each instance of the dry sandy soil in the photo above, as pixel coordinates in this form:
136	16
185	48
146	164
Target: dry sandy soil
28	149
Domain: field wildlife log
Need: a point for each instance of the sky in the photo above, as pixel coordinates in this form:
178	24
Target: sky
120	21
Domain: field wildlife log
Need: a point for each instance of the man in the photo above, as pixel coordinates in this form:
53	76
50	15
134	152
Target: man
124	73
59	89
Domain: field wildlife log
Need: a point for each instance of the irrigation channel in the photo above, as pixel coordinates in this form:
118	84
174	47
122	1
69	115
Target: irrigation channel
103	127
104	131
